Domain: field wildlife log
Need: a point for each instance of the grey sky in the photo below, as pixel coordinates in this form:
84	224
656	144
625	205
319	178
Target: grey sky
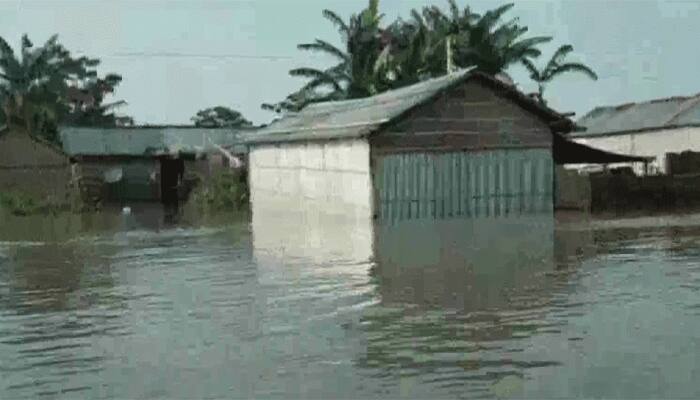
641	49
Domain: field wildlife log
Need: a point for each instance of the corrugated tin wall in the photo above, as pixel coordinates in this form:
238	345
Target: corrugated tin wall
494	184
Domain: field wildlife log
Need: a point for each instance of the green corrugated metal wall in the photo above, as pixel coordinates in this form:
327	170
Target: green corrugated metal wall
494	183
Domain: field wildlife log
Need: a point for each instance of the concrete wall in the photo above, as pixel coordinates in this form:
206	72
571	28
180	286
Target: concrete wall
653	143
334	176
33	167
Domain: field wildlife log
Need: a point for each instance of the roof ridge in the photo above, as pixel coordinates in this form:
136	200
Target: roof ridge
688	104
650	101
410	88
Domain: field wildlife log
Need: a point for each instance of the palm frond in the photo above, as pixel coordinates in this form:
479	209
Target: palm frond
558	56
454	10
491	17
316	75
534	41
534	72
5	49
337	21
324	47
573	67
26	43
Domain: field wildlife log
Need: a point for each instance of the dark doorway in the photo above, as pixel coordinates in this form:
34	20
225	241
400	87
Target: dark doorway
171	172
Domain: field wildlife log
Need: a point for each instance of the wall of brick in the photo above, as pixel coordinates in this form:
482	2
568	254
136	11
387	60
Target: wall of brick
471	116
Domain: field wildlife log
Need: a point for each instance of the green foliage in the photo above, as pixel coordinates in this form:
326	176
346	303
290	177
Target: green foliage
220	117
374	58
22	204
224	191
362	67
555	67
44	86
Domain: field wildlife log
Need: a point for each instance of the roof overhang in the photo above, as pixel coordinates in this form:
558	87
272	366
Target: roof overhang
566	151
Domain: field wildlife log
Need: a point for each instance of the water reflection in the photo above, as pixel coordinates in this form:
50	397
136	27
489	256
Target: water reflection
335	307
48	277
55	298
453	294
450	296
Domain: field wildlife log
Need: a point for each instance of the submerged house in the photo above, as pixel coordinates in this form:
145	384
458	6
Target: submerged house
465	145
647	129
34	167
144	164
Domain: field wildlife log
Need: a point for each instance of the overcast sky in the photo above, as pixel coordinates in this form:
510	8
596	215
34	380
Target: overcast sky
641	49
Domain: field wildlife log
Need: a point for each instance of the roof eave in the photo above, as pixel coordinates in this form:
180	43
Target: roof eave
631	131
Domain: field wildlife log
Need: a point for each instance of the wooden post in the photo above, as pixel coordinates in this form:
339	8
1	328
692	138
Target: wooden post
448	51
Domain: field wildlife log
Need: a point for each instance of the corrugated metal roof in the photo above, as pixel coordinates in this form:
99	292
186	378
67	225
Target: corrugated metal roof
145	141
359	117
655	114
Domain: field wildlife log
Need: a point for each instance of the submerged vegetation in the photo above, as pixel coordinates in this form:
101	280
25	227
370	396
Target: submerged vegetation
223	191
23	204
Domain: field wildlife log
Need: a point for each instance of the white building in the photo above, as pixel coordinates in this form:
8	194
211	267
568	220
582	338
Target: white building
653	128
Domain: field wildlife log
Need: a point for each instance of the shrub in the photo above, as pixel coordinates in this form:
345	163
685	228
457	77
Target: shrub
223	191
22	204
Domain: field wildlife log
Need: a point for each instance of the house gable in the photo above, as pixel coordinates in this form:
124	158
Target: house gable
471	116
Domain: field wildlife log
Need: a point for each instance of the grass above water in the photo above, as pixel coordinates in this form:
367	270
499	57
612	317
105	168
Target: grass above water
23	204
224	191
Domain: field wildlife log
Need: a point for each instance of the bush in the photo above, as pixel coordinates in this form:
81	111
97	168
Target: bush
223	191
22	204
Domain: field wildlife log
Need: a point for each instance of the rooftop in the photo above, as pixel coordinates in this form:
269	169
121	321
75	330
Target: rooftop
145	140
360	117
670	112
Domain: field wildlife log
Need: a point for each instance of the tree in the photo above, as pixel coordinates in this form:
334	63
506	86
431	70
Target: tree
34	85
85	102
220	117
449	30
32	82
430	44
361	69
555	67
492	47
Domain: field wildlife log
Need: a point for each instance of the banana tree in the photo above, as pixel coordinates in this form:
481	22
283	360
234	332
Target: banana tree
554	68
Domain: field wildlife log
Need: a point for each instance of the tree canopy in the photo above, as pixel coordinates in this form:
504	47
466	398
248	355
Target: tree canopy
375	57
220	117
43	86
556	67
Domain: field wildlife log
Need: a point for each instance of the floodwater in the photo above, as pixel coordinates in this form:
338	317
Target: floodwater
122	308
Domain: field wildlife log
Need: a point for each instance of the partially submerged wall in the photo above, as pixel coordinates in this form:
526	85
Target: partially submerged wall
333	176
572	190
139	179
653	143
33	167
624	194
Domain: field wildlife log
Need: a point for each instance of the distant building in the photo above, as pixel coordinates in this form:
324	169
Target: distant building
33	166
652	128
146	163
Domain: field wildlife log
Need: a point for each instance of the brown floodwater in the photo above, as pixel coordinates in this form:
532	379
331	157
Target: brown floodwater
134	306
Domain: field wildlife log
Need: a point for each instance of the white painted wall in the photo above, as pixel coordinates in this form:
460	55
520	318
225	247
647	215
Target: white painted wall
330	176
653	143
